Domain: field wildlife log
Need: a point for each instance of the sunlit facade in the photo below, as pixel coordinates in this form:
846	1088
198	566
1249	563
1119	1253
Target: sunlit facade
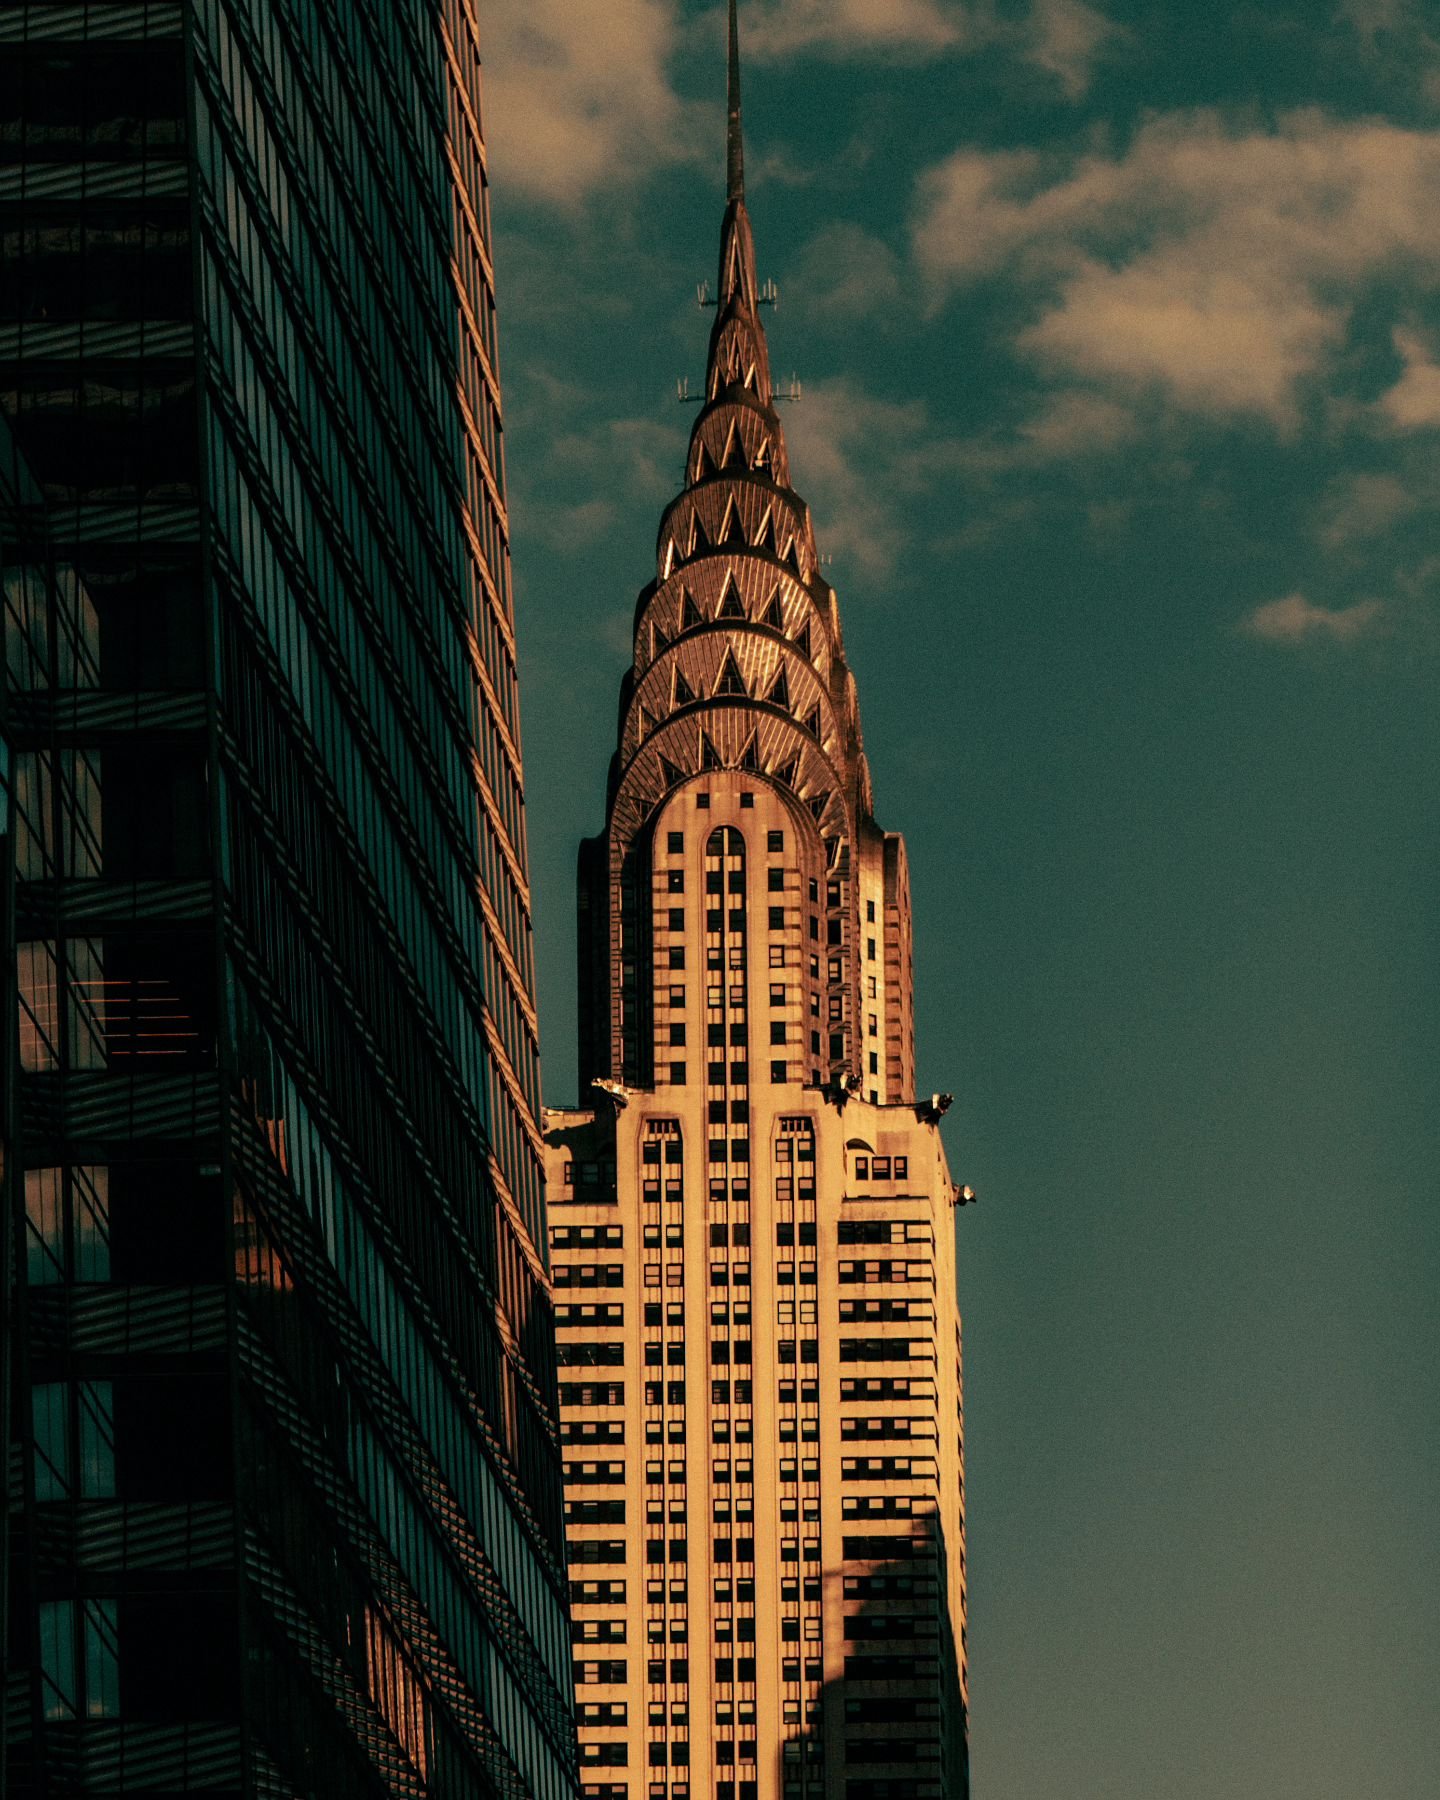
285	1517
752	1222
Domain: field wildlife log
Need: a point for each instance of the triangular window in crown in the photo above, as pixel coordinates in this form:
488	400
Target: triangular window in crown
704	462
732	271
730	603
648	722
709	756
779	694
732	530
658	642
689	611
787	771
802	639
792	554
734	457
812	721
730	681
818	804
699	538
750	756
766	538
773	615
672	776
684	693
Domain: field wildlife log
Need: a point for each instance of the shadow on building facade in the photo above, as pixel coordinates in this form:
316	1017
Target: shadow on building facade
893	1725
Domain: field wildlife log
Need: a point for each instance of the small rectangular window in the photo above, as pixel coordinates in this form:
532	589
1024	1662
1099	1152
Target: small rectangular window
677	1074
675	842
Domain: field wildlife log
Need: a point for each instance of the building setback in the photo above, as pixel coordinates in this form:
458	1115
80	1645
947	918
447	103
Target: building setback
752	1227
284	1513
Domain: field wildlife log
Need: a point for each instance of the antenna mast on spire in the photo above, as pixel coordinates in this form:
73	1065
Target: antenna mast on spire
734	145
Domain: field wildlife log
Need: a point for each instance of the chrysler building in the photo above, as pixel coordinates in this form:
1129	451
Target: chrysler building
752	1228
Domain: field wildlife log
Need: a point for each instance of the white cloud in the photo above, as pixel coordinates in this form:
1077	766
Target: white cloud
578	97
574	528
865	463
1372	20
613	472
1063	38
1071	425
1075	422
1215	264
1295	620
852	456
635	459
844	27
1413	404
1395	31
845	273
1067	39
1363	507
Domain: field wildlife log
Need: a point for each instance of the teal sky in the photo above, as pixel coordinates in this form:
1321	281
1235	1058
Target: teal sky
1120	348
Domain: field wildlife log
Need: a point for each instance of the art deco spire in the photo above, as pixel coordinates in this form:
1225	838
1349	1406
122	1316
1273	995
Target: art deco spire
739	665
745	1013
734	141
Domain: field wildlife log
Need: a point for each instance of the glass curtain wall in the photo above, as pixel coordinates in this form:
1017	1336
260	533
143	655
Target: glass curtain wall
283	1367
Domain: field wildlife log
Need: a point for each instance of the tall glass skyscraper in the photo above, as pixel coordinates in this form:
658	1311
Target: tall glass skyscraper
285	1506
752	1223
